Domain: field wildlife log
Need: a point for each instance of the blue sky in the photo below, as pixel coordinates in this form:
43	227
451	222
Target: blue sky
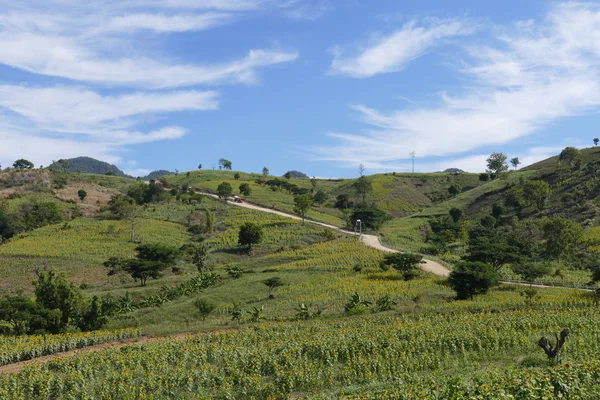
318	86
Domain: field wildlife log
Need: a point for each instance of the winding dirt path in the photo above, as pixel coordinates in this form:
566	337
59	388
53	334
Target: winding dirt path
369	240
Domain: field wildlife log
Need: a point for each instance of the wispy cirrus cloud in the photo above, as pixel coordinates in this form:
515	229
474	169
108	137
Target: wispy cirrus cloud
391	53
115	47
536	73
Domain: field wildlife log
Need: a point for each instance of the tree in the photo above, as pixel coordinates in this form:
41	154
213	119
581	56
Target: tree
54	292
361	170
224	191
371	217
484	177
535	193
224	164
245	189
22	163
562	236
531	271
28	317
265	171
456	213
455	189
596	140
406	264
151	260
515	162
302	204
82	194
471	278
493	250
250	233
237	176
273	283
570	155
496	164
205	307
198	254
287	175
199	166
363	187
342	201
93	318
320	197
210	220
63	165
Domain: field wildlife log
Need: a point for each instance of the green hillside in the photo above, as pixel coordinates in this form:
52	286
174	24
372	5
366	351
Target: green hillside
335	324
398	194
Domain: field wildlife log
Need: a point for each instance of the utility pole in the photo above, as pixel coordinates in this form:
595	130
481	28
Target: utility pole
412	155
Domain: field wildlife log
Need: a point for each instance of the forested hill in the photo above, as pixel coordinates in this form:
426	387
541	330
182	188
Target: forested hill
89	165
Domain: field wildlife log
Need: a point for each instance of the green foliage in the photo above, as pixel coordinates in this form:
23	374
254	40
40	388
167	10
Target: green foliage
22	163
342	201
563	237
472	278
570	155
530	272
93	318
496	164
210	220
384	303
151	260
234	271
237	176
320	197
54	292
205	307
256	314
455	213
245	189
224	190
198	254
305	312
356	305
363	187
536	193
484	177
515	162
302	203
28	317
371	217
273	283
406	264
236	313
225	164
250	233
455	189
81	194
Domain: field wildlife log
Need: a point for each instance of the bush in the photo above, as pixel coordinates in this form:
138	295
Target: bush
205	307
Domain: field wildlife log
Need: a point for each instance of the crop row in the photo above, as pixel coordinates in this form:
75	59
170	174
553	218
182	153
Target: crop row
272	360
18	348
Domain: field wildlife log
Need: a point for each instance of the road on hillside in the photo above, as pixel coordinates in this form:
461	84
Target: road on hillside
369	240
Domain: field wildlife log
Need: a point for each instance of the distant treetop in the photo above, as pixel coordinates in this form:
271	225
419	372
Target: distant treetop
296	174
454	170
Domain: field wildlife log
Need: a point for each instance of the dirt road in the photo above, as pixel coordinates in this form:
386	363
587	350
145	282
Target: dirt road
369	240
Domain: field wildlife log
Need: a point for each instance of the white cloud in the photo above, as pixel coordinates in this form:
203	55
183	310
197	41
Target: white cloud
76	110
78	42
393	52
116	44
535	75
165	23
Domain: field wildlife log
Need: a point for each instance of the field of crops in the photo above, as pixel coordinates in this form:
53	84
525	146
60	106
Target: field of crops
18	348
456	354
79	248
